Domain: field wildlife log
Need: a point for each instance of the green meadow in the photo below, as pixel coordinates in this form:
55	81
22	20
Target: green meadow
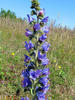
61	55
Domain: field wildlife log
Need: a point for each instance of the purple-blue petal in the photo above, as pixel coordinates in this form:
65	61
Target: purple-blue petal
29	45
37	27
30	19
27	58
45	71
40	95
32	75
22	98
45	61
28	32
45	46
41	56
45	20
44	80
26	98
43	37
45	29
26	82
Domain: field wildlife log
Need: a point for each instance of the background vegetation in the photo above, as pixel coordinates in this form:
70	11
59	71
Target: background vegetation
61	55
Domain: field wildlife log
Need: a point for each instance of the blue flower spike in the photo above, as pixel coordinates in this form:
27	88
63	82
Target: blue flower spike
35	75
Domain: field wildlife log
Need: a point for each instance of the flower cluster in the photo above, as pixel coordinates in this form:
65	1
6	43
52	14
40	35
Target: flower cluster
35	76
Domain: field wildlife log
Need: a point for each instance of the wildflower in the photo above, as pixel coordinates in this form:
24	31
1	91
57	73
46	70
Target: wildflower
26	82
40	95
12	53
45	46
25	73
26	65
44	80
45	71
22	98
43	37
45	61
45	29
31	65
37	27
36	79
26	98
41	56
45	89
45	20
29	45
39	73
28	32
30	19
41	12
27	58
32	74
59	67
35	74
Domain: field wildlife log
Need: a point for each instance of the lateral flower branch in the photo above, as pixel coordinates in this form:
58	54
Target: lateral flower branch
35	76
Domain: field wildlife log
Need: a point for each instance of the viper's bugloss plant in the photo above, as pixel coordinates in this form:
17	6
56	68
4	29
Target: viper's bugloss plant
35	76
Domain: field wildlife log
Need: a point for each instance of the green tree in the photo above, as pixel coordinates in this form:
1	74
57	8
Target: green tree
8	13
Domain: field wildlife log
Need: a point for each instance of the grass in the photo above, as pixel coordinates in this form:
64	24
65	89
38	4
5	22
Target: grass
61	55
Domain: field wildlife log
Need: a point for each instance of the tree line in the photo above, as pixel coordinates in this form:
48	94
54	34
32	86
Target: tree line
8	13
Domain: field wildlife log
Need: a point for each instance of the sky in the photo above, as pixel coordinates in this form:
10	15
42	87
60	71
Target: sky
62	11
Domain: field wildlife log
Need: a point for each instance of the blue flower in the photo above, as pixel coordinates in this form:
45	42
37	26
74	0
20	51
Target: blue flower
29	45
25	73
45	89
37	27
45	46
40	95
28	32
26	98
45	61
41	12
22	98
41	56
25	64
43	37
30	19
45	71
44	80
45	29
27	58
35	74
31	65
39	72
45	20
26	82
32	75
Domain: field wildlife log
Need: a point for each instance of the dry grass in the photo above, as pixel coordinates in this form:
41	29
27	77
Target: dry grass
62	50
